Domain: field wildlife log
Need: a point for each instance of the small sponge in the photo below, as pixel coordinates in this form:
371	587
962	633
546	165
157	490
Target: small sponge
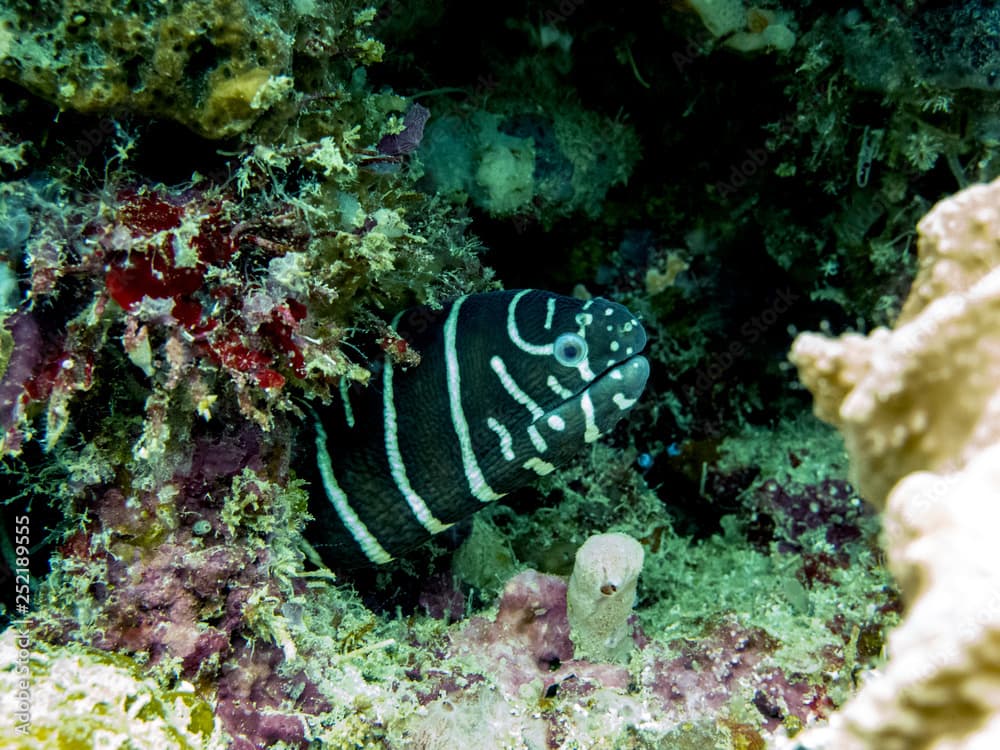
600	597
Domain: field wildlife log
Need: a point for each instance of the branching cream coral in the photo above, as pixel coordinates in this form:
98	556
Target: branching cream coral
919	407
924	395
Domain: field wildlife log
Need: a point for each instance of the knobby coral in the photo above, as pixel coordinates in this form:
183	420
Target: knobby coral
919	407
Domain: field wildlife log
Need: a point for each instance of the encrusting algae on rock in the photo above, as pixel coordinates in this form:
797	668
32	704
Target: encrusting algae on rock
919	407
216	67
95	699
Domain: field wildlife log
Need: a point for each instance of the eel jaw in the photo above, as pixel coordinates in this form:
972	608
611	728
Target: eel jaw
596	409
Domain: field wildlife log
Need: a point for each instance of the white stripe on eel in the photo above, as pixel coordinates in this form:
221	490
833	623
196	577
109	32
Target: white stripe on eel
590	433
550	311
558	388
396	466
537	465
473	474
345	397
622	402
536	439
514	389
541	350
506	441
354	525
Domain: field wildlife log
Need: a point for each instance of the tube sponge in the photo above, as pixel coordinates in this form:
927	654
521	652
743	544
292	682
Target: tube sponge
600	597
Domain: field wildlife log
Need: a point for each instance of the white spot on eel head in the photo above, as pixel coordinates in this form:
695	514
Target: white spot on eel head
623	403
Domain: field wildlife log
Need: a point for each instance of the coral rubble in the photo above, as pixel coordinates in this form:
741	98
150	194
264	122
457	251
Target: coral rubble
95	699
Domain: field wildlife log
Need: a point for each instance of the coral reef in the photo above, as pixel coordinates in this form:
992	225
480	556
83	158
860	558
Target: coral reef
918	408
210	210
744	29
204	285
919	397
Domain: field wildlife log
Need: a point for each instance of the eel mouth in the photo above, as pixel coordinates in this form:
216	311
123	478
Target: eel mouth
599	406
629	377
614	392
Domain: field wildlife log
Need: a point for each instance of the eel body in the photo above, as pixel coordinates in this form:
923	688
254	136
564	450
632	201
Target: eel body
510	386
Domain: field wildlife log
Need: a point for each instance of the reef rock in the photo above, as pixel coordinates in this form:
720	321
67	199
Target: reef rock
213	65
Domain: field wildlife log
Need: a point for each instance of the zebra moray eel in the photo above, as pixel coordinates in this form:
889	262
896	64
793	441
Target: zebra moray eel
510	386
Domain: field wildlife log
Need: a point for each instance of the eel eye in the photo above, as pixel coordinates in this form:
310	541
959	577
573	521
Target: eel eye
570	349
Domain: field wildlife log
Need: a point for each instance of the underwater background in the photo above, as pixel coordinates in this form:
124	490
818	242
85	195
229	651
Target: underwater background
211	211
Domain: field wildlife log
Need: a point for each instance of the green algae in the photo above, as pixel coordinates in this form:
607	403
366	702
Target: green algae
691	583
